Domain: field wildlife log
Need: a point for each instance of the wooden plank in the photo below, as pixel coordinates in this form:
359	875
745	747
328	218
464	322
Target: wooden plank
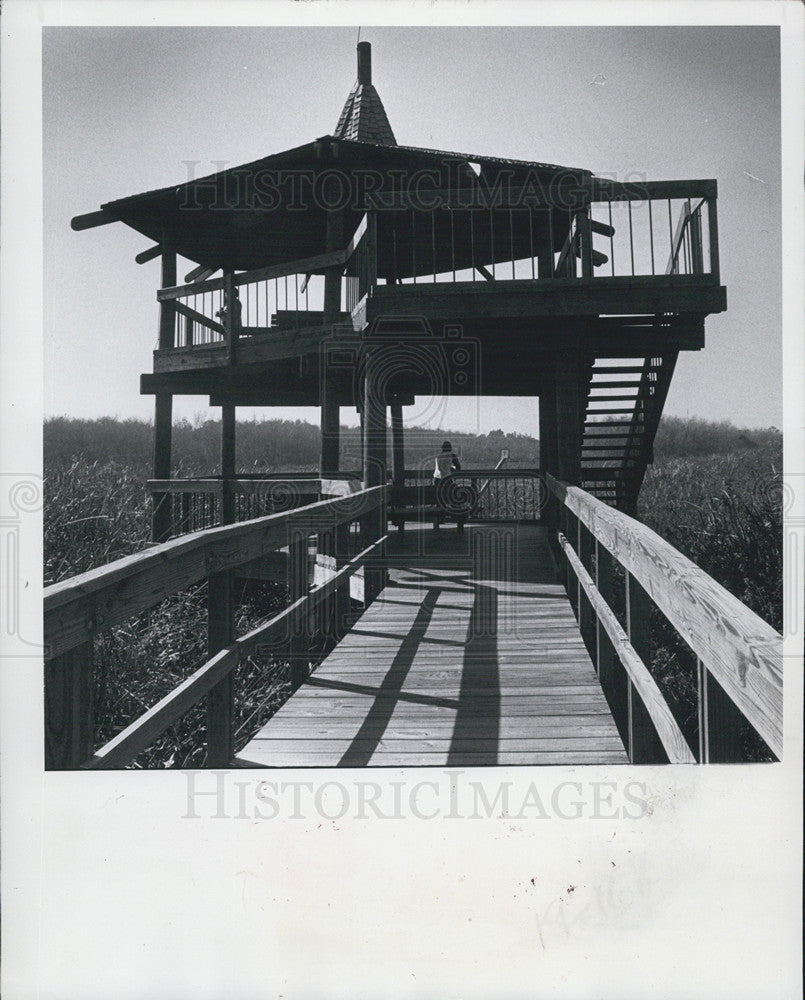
142	732
743	652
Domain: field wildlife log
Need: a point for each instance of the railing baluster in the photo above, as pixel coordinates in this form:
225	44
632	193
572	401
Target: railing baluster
631	235
651	234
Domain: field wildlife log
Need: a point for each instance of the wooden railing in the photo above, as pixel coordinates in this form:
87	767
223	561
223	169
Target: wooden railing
687	248
79	609
599	229
220	311
497	494
738	655
196	504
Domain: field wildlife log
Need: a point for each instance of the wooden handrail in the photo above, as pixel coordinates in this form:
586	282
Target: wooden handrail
152	723
674	743
741	651
216	485
307	265
77	609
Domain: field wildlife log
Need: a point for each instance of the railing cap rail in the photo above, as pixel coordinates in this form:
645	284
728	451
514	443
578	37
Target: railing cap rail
741	650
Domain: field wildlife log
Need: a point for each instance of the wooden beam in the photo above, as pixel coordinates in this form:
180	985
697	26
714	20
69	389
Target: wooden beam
163	427
200	273
397	445
91	220
150	254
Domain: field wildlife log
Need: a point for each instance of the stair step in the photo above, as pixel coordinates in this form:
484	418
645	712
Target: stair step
614	385
610	423
613	437
623	370
593	413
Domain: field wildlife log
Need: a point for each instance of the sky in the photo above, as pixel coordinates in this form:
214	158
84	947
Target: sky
130	109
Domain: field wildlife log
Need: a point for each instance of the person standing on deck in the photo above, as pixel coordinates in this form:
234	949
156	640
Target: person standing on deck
446	463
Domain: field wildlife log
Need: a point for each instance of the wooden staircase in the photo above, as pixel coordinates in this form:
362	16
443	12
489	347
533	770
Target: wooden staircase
624	403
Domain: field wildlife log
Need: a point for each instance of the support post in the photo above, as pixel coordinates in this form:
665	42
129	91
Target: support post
569	402
604	580
644	744
543	246
228	445
330	411
298	586
220	701
342	599
374	468
587	622
68	709
548	450
397	445
167	309
161	527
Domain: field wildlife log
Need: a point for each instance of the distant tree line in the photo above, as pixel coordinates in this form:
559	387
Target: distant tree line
293	445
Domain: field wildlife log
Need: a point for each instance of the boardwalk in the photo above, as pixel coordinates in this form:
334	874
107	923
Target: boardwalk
469	656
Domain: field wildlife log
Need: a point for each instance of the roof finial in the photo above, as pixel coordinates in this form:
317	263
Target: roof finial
364	63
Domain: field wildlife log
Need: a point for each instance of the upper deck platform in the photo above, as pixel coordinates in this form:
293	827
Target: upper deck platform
624	270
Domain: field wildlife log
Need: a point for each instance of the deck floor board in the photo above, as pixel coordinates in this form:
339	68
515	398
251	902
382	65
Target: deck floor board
470	655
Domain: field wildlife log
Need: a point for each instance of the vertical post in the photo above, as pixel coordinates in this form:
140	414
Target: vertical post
397	445
232	316
330	411
298	587
569	402
220	702
543	247
604	650
228	444
585	242
371	251
644	744
68	709
161	527
712	223
167	311
374	467
587	620
719	722
342	600
549	515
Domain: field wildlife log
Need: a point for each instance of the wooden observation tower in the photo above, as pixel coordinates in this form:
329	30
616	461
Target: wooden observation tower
364	273
353	271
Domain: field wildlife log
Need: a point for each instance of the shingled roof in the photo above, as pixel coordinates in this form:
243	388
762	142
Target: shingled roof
363	118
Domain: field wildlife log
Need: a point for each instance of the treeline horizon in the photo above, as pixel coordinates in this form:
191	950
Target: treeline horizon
277	445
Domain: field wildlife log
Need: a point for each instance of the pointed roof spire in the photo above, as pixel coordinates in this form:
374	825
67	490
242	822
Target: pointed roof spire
363	117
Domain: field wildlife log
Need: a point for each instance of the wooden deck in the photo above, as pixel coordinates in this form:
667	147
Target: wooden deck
470	656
